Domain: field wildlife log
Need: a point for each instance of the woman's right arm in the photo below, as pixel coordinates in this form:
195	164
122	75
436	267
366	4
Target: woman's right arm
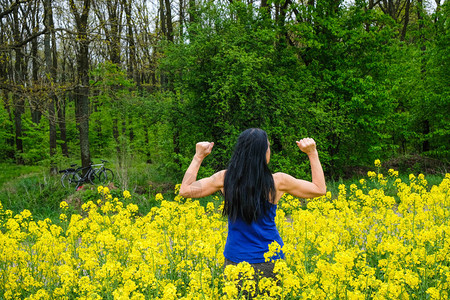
301	188
193	188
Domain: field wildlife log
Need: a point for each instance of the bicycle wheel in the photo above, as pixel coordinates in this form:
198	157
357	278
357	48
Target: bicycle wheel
98	177
69	179
109	174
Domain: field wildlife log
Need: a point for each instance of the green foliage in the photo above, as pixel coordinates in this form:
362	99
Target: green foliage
35	141
230	77
350	103
437	102
130	126
31	188
6	134
420	91
330	83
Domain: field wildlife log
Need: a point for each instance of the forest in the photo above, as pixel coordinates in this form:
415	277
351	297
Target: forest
143	81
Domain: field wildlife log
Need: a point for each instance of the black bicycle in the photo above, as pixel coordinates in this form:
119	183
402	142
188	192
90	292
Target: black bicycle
70	176
94	174
99	174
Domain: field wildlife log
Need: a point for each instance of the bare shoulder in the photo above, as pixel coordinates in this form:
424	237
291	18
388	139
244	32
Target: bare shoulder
220	174
280	178
219	177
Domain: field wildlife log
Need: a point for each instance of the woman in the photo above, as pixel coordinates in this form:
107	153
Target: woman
251	194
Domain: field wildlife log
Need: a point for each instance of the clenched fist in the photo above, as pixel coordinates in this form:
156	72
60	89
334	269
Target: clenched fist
203	149
307	145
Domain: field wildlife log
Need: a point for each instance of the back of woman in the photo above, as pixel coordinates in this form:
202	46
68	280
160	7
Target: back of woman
251	194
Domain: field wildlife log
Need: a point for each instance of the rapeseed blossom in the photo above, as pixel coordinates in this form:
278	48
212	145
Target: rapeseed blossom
126	194
362	243
159	197
377	163
63	205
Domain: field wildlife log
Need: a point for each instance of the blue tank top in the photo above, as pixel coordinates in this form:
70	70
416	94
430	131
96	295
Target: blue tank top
249	242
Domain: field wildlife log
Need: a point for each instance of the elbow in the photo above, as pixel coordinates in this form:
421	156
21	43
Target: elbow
321	191
184	191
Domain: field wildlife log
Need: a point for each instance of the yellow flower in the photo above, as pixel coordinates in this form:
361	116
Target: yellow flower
170	292
434	293
371	174
393	173
105	190
63	205
25	214
40	294
177	188
210	207
174	251
274	250
159	197
178	198
133	208
126	194
377	163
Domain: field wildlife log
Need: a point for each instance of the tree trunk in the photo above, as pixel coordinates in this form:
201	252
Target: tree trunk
131	70
51	78
114	32
36	113
406	21
423	48
6	97
147	142
10	139
112	28
192	12
181	13
19	102
162	17
264	4
61	109
82	89
169	33
116	138
82	100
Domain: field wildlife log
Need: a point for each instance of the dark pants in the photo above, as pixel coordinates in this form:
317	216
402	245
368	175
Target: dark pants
265	269
261	270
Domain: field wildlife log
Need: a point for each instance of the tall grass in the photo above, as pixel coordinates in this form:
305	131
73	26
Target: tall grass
33	188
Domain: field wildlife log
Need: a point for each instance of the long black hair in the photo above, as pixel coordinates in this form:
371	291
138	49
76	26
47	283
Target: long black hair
248	184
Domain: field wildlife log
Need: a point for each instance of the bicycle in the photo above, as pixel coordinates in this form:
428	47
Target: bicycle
74	176
95	174
70	176
100	174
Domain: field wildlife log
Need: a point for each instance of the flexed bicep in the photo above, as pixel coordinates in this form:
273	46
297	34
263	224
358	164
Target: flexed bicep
297	187
203	187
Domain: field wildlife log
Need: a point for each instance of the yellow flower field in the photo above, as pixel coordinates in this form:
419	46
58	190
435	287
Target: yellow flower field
359	244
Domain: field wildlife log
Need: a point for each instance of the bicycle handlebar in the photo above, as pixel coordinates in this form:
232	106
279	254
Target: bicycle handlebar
75	168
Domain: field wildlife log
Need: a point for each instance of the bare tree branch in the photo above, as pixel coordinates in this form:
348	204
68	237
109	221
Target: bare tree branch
12	7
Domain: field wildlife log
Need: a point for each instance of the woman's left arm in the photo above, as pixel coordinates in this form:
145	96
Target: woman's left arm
193	188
